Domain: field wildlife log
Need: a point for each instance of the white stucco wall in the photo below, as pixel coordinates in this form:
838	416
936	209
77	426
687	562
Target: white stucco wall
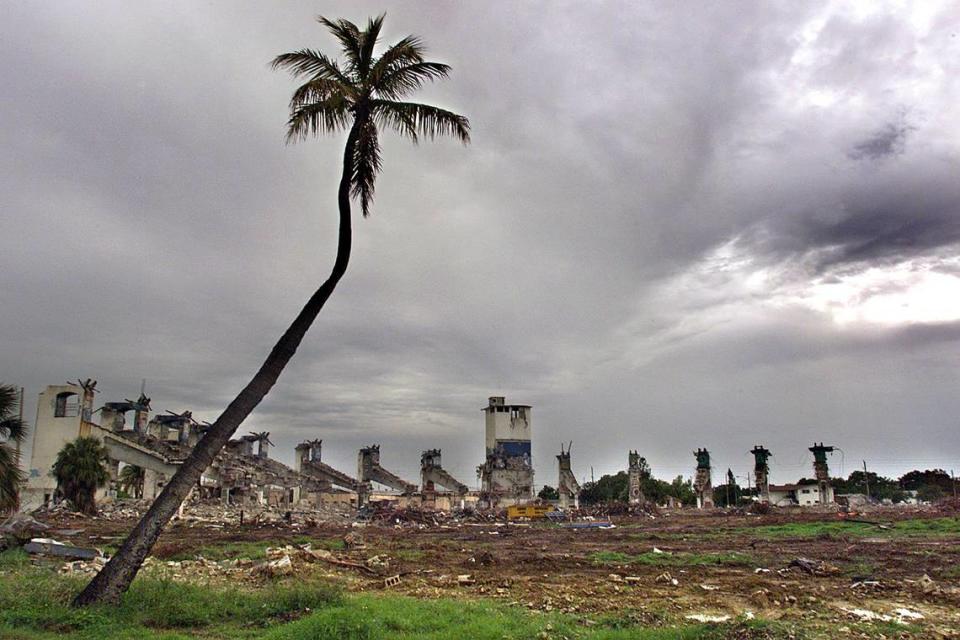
508	422
50	433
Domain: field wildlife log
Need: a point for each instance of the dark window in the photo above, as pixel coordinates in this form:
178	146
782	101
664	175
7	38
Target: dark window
67	405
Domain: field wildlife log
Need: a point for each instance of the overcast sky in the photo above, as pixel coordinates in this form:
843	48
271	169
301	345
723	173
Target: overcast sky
679	225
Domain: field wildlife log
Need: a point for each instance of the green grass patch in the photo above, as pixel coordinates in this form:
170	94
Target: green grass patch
919	527
860	567
952	571
679	559
35	603
369	617
224	551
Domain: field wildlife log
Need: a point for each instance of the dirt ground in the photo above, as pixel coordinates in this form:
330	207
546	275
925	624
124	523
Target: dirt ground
791	566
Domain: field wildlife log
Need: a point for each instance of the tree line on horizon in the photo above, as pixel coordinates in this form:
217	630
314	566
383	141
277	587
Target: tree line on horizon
930	485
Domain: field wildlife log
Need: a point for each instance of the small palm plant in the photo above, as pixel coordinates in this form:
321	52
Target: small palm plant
80	468
12	433
131	480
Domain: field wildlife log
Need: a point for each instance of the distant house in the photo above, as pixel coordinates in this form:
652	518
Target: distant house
804	494
911	497
853	499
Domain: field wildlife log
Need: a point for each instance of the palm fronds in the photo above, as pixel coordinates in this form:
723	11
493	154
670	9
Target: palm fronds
365	94
13	431
81	467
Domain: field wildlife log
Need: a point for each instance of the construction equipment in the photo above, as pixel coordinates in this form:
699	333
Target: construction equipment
528	511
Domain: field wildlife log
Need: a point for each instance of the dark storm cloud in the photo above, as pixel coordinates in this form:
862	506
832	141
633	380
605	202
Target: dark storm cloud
869	223
888	141
156	226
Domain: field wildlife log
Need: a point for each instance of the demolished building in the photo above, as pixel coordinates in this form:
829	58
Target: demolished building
567	485
702	483
370	471
432	475
635	478
243	473
822	472
334	485
238	475
761	471
506	476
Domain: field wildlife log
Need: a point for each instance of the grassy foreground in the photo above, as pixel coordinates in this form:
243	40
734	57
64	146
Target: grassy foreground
34	604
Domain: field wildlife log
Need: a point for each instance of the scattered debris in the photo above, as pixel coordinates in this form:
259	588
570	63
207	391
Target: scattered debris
20	528
703	617
86	567
354	540
50	547
906	614
665	577
866	615
391	581
378	562
814	567
929	585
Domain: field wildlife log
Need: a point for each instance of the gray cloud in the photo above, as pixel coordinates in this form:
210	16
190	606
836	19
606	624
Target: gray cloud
156	226
888	141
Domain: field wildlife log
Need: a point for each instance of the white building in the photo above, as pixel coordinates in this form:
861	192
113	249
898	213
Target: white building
63	415
804	494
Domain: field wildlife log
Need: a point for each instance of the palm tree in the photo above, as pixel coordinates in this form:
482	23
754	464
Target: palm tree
13	430
363	97
131	480
81	467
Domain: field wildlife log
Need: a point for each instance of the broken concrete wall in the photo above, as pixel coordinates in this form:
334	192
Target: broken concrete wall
567	485
702	484
761	471
635	478
821	471
369	470
433	474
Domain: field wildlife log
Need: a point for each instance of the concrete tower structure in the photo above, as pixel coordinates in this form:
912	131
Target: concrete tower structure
822	472
507	473
567	485
761	471
635	478
701	481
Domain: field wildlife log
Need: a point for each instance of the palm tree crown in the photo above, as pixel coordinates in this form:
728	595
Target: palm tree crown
131	479
12	432
81	467
367	90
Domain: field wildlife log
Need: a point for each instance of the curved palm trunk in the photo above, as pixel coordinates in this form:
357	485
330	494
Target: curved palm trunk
115	578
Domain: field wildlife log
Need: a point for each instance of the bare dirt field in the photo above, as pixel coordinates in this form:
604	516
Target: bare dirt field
899	570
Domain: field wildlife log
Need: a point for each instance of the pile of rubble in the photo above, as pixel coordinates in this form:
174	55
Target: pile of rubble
280	561
388	512
210	513
616	508
19	529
